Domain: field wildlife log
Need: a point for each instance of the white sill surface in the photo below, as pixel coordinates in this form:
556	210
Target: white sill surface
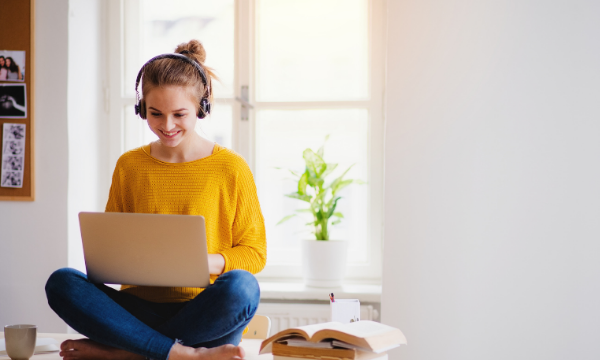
298	291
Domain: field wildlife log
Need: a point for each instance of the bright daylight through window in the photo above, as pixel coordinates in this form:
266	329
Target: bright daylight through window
312	69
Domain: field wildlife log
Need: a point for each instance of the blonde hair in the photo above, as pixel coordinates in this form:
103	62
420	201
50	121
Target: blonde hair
163	72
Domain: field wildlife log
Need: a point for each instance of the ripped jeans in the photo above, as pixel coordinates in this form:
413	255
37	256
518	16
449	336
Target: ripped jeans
215	317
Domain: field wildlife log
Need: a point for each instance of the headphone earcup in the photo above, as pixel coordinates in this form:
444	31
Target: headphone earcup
204	108
207	107
142	109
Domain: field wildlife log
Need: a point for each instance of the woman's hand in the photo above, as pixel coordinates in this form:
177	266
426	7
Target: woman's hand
216	264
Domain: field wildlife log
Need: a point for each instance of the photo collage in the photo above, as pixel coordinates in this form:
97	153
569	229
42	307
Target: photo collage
13	155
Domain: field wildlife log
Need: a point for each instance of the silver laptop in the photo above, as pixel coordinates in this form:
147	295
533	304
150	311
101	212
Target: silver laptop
145	249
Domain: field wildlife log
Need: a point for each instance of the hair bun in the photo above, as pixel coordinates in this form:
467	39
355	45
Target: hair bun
192	49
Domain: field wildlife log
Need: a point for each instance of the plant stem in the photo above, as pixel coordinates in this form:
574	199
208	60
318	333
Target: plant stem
324	230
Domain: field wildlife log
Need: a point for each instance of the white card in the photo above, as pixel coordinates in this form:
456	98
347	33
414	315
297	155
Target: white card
345	310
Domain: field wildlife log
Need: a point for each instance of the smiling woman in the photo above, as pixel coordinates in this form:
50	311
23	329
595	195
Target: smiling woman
180	173
171	115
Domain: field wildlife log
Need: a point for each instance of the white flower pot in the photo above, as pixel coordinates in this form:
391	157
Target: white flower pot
324	262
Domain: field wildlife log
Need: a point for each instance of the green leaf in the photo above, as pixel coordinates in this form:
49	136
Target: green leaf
335	222
340	185
339	179
333	206
331	201
315	182
306	198
338	214
314	162
329	170
286	219
321	151
302	183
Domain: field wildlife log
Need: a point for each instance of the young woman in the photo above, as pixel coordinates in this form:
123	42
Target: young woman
14	70
180	173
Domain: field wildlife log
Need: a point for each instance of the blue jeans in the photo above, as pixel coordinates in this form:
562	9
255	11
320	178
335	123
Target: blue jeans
215	317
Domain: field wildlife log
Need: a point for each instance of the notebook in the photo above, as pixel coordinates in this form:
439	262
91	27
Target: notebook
145	249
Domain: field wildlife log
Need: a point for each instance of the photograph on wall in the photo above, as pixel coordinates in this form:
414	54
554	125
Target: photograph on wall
12	65
13	155
13	101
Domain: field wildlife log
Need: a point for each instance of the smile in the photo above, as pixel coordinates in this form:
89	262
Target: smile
170	134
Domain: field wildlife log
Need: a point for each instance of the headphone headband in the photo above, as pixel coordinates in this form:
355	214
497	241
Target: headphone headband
204	103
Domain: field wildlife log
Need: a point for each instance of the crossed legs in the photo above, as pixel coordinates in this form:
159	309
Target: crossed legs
130	328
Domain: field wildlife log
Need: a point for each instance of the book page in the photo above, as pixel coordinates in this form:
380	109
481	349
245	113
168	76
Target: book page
367	334
312	329
306	331
365	329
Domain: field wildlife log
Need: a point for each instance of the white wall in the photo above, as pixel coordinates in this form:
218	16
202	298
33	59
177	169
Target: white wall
492	230
88	162
33	235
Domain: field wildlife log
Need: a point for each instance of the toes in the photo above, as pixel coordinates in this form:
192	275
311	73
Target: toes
68	354
241	352
67	345
234	351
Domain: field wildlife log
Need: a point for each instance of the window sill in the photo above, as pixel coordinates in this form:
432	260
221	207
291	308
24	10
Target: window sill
271	290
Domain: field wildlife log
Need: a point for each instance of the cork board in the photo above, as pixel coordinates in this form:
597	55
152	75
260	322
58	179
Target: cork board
17	19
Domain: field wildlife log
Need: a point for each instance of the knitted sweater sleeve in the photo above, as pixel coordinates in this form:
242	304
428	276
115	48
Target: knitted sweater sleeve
249	251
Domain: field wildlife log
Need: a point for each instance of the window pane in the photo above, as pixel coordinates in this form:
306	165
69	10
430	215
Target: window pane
312	50
282	136
216	127
135	129
169	23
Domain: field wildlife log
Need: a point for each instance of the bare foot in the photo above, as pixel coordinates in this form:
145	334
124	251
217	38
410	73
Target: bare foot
223	352
91	350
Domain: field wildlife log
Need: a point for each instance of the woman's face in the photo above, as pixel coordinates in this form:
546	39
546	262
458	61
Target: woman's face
171	114
8	62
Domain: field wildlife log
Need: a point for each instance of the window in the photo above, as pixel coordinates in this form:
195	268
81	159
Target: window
309	68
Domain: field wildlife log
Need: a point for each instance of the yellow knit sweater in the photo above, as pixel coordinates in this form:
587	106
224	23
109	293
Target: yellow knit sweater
219	187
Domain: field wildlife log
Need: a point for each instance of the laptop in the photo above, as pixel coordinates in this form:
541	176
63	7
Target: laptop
145	249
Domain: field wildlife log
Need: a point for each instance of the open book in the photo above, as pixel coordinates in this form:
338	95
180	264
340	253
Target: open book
363	335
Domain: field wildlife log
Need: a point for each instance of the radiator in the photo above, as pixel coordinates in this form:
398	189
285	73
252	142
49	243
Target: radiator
285	316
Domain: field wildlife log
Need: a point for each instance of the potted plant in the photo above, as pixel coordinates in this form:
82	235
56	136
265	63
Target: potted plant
323	259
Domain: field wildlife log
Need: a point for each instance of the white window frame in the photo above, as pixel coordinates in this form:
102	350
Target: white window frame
243	137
